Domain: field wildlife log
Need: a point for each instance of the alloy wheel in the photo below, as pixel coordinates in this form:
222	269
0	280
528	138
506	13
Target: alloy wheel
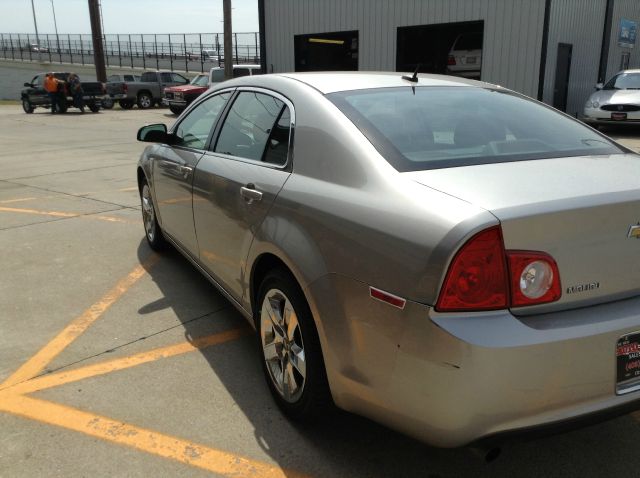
283	345
148	213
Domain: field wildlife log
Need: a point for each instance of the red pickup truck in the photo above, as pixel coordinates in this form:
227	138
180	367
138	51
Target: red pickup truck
179	97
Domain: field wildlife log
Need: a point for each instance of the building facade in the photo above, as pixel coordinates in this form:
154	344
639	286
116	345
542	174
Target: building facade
553	50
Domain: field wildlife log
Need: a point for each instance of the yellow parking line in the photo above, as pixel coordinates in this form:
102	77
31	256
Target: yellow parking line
66	214
61	378
211	459
9	201
41	359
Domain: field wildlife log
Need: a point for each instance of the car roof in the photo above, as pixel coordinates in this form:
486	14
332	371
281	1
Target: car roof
635	70
331	82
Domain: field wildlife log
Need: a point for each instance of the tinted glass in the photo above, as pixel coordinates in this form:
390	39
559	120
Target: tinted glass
200	80
624	81
129	78
149	76
248	125
178	78
278	145
37	80
438	127
217	76
193	131
238	72
166	77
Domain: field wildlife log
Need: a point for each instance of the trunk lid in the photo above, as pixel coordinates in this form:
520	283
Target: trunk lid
581	210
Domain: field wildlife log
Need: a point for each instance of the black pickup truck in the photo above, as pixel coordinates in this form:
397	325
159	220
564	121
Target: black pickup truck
34	95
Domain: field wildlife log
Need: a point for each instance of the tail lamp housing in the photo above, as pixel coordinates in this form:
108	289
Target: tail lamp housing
451	60
485	276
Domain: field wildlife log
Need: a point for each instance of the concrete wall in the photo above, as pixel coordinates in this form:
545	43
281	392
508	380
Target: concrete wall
512	42
581	24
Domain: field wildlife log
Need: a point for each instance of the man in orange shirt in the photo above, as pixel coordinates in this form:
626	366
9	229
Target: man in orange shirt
51	85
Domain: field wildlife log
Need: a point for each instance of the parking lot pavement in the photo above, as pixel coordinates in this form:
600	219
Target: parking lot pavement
116	361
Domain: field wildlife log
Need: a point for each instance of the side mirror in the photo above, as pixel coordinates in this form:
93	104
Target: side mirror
153	133
28	85
599	86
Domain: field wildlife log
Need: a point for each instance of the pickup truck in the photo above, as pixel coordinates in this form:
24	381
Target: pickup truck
177	98
35	96
146	92
118	86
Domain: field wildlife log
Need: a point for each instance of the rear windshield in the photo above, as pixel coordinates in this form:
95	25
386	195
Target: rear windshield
441	127
624	81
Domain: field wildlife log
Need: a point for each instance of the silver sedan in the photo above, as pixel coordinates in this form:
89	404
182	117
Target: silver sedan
444	256
618	101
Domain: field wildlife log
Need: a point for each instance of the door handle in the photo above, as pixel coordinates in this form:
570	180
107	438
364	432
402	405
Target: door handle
185	170
250	194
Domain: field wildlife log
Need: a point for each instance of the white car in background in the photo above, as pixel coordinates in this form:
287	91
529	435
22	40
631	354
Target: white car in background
465	56
618	101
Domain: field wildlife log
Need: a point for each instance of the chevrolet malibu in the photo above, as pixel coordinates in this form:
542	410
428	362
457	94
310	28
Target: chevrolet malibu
444	256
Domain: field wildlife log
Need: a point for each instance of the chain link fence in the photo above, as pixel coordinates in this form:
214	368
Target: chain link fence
175	51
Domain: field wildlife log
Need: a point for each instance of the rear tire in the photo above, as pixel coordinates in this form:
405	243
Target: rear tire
290	349
107	103
152	229
144	101
27	106
126	104
93	107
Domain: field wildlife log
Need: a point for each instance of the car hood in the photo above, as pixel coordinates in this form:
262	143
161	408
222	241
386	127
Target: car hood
185	88
616	97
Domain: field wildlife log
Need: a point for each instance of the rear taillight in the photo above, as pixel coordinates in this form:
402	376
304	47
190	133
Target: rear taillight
451	60
483	276
125	88
534	278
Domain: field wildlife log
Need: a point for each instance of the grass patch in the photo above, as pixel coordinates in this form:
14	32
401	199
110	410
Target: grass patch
9	102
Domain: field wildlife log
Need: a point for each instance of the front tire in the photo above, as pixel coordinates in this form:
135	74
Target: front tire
152	229
176	110
126	104
145	101
290	349
27	106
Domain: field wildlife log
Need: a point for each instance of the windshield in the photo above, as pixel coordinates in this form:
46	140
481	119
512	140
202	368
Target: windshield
441	127
200	80
624	81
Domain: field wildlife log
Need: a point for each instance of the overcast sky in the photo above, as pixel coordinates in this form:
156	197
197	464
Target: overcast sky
128	16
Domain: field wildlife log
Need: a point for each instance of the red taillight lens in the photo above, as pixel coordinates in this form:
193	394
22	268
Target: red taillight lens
477	277
125	88
451	60
483	276
534	278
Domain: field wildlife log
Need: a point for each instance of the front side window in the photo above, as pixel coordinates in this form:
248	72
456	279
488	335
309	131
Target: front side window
178	78
249	125
149	77
37	81
441	127
193	131
624	81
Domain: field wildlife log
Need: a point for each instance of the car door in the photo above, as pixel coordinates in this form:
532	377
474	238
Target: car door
173	167
237	181
37	94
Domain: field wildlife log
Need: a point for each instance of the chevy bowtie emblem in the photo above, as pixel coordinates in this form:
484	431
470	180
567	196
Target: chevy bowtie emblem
634	231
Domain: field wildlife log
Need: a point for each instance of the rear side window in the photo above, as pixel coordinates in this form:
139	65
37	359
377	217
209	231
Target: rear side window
249	125
149	76
439	127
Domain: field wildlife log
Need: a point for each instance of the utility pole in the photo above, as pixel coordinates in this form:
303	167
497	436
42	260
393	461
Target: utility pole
96	36
228	46
35	24
55	25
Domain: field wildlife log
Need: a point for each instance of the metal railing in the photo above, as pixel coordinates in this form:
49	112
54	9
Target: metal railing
181	51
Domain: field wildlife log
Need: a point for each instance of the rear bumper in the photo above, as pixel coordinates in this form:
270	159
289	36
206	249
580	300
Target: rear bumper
453	379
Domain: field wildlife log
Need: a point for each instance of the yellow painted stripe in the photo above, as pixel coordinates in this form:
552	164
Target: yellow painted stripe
40	213
66	214
189	453
41	359
9	201
61	378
